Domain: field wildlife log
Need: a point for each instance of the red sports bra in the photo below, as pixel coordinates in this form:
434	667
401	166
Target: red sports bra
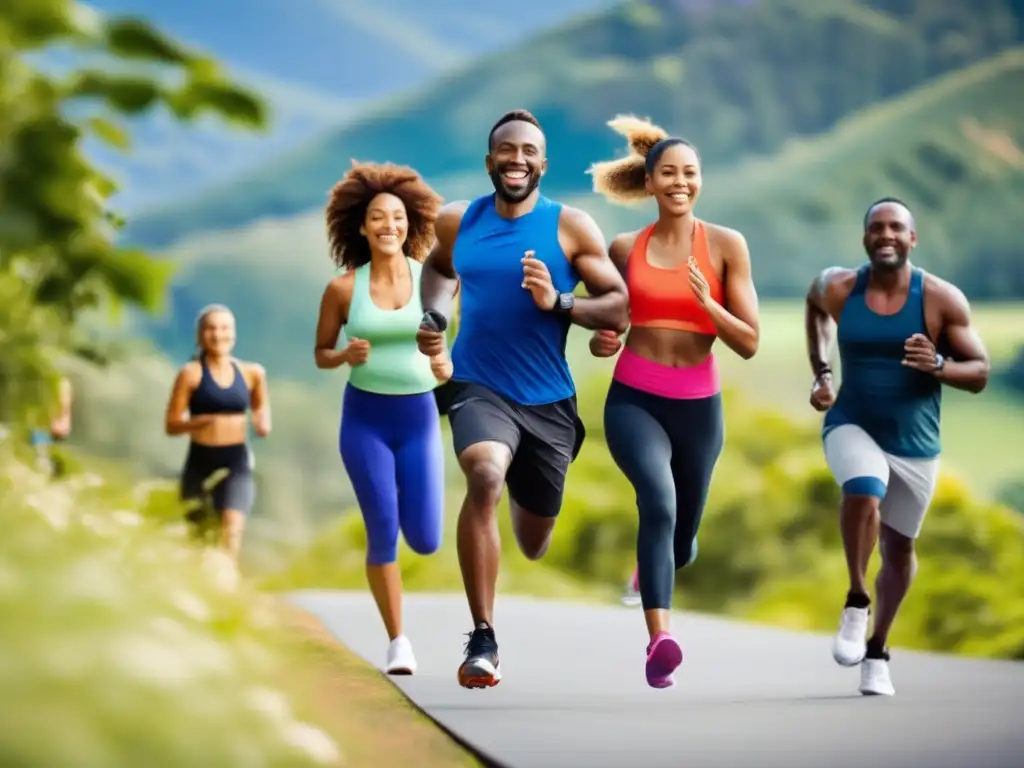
663	298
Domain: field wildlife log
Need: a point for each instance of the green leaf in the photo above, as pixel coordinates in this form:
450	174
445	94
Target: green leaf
233	103
109	132
125	93
133	38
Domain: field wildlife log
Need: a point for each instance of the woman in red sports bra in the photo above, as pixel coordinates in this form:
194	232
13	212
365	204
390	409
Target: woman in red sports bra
689	285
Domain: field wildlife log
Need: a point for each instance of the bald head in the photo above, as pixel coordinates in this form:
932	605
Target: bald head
890	207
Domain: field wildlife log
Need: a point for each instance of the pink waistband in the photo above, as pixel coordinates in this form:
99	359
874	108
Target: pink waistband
691	383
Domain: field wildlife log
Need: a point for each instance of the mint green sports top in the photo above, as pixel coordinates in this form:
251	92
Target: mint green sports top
395	365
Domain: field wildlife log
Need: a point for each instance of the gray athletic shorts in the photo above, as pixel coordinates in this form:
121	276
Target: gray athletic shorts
905	486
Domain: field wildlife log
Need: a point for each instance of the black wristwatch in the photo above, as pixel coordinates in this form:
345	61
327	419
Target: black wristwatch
564	302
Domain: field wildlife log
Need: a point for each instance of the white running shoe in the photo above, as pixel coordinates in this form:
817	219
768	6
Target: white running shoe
874	678
631	596
400	657
850	643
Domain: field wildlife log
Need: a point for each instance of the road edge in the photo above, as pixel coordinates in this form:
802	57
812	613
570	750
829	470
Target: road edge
485	760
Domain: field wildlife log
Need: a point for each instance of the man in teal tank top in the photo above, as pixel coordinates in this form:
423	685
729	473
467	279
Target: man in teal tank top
517	258
902	334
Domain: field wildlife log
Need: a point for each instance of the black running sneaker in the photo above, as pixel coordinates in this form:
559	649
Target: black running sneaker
481	668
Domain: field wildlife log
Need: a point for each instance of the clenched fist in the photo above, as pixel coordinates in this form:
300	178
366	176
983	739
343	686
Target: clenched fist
605	343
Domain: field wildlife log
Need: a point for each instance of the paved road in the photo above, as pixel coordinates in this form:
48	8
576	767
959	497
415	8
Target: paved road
573	692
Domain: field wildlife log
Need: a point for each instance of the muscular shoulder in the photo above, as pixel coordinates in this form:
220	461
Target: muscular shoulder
579	228
449	219
832	286
952	300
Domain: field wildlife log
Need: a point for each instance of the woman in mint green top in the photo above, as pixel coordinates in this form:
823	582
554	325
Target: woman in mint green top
380	223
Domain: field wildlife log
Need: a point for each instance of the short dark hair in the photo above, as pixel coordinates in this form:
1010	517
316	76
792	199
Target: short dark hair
514	115
882	201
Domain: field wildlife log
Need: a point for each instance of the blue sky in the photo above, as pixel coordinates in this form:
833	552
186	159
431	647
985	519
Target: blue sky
317	61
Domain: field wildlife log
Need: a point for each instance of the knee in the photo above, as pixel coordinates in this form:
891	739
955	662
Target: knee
863	494
896	549
381	543
485	478
686	553
424	542
533	545
657	512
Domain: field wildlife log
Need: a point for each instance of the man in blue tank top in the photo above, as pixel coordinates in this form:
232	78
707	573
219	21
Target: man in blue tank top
517	257
902	334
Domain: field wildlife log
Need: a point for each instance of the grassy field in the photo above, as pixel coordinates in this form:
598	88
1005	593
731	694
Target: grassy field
137	649
983	434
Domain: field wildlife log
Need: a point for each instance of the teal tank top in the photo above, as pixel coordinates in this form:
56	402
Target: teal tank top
395	365
898	406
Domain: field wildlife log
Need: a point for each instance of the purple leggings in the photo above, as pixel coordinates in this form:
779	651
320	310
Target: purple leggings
392	451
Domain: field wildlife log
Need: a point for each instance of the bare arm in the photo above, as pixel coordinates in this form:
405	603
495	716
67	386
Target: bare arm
607	306
175	420
819	323
60	426
334	306
970	367
737	322
440	282
260	400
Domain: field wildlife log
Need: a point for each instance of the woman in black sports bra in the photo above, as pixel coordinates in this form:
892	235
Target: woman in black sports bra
208	403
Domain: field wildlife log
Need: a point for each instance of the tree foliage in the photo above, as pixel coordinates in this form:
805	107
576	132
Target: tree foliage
58	255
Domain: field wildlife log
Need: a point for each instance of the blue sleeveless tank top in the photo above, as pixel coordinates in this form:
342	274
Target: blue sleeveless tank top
898	406
211	398
505	342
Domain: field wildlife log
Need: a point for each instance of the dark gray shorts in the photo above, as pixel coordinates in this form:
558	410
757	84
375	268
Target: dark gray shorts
544	441
235	490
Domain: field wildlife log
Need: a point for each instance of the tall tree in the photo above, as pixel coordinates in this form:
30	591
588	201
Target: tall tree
58	255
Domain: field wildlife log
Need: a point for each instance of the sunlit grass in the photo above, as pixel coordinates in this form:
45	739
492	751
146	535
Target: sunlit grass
121	646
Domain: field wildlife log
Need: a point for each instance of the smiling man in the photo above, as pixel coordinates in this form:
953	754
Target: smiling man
517	258
902	335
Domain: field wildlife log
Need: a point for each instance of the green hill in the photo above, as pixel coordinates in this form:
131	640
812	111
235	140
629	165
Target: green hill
740	79
950	149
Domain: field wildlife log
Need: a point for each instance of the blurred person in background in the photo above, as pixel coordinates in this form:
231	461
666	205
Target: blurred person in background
208	402
516	257
58	429
902	334
689	285
380	224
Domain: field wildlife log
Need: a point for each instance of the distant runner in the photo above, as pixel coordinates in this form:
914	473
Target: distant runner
380	221
208	403
518	256
59	429
902	335
689	285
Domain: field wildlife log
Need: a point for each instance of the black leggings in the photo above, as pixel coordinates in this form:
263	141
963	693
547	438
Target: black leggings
667	449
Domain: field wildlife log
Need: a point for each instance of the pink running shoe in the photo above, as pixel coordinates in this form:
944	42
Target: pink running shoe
664	655
632	593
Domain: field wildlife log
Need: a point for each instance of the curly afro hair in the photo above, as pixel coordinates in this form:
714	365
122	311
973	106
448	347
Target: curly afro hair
350	197
623	180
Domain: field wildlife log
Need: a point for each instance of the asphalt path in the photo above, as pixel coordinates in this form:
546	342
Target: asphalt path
573	692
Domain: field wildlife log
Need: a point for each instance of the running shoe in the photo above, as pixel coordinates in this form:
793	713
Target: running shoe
481	668
401	660
850	643
664	655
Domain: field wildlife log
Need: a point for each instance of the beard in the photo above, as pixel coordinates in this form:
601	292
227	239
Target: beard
892	261
514	194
